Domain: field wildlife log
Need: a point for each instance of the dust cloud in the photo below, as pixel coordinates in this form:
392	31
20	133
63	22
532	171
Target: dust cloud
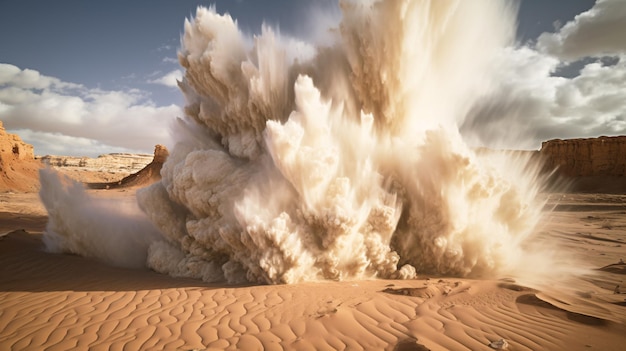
345	163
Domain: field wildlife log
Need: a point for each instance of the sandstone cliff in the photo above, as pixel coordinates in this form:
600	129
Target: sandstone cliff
113	163
149	174
603	156
102	169
592	164
18	167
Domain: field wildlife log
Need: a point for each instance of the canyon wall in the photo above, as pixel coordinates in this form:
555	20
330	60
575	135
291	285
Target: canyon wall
110	170
112	163
589	165
603	156
18	167
149	174
593	165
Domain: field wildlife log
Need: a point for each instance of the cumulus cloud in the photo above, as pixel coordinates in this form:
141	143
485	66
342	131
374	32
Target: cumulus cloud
596	32
30	79
531	103
171	79
66	118
56	143
168	59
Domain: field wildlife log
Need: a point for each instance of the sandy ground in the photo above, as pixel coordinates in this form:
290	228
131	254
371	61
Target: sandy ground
63	302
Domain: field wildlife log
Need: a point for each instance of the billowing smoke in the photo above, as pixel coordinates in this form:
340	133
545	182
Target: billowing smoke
344	164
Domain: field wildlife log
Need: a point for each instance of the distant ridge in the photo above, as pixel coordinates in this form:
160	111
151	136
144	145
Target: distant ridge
149	174
590	165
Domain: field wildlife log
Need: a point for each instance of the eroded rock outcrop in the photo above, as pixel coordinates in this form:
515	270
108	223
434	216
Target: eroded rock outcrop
18	167
603	156
149	174
112	163
592	164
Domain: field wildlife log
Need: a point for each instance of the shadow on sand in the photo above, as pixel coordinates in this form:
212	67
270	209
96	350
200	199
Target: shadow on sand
26	266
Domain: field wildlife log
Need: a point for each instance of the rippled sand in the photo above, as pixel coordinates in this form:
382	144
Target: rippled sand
62	302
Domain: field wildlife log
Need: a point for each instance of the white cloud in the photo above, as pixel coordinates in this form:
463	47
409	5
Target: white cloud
30	79
165	47
66	118
168	59
56	144
170	79
596	32
529	104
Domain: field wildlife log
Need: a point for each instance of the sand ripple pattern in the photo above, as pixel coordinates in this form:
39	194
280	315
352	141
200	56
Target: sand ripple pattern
324	316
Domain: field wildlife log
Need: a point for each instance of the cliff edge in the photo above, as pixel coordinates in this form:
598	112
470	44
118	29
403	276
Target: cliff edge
149	174
18	167
591	164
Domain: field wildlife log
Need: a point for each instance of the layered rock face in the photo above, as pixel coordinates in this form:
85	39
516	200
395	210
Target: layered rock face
13	148
593	165
149	174
603	156
112	163
18	167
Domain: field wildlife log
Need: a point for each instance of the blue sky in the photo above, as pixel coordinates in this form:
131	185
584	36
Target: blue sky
88	77
118	44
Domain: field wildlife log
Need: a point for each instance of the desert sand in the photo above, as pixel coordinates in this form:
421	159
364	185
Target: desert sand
349	163
61	302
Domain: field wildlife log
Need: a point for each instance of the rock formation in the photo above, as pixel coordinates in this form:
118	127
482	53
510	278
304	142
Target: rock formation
146	176
18	167
112	163
589	165
603	156
593	164
102	169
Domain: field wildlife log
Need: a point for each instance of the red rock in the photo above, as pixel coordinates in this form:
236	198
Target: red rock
18	167
603	156
149	174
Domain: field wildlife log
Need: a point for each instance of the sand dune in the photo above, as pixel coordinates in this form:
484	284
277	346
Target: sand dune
60	302
346	164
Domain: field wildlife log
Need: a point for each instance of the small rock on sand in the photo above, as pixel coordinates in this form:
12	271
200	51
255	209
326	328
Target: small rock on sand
499	344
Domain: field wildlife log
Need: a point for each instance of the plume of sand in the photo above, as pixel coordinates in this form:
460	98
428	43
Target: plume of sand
115	232
347	165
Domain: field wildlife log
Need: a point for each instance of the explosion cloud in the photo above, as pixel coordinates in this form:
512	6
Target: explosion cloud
347	164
